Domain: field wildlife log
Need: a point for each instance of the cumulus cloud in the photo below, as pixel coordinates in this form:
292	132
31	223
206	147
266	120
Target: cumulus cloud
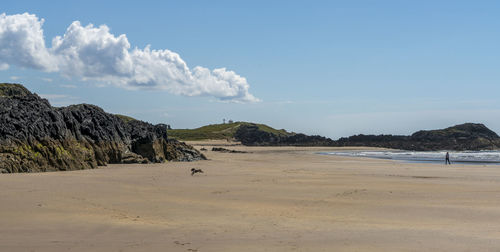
94	54
22	42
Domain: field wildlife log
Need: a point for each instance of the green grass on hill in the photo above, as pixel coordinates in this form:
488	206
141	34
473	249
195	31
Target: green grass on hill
10	89
125	118
218	131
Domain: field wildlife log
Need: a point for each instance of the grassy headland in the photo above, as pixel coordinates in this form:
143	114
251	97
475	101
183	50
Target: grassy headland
219	131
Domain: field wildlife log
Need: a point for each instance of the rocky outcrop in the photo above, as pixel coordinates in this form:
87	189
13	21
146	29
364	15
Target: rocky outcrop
382	141
468	136
35	137
251	135
224	150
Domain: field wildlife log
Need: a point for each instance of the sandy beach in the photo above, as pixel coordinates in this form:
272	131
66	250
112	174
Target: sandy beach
270	199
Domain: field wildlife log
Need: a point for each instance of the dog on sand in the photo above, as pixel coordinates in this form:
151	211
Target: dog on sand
194	171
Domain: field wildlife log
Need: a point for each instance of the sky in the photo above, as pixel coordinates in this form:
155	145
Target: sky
333	68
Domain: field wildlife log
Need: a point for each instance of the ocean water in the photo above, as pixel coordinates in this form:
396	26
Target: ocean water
466	157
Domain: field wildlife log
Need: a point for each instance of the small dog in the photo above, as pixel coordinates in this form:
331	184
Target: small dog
193	171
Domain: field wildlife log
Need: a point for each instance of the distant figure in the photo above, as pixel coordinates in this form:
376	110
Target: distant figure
447	161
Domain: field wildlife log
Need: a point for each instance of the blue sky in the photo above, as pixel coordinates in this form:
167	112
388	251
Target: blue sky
333	68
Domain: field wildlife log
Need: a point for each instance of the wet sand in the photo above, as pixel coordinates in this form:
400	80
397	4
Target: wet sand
272	199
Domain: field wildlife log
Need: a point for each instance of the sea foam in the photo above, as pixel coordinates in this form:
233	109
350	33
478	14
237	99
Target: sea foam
470	157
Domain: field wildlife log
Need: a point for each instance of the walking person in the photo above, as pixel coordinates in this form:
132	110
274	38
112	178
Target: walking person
447	160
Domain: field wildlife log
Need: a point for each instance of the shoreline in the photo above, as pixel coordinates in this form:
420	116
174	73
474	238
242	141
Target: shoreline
271	198
490	157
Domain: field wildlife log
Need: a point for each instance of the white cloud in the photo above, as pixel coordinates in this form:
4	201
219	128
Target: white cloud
22	42
47	79
15	78
94	54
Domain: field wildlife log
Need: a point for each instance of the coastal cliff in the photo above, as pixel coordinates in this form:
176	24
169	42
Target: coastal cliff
36	137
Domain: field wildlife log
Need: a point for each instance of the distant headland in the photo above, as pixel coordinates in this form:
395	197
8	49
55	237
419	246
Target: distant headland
467	136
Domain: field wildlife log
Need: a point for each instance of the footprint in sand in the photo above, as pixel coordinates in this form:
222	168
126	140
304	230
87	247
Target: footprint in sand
181	244
350	192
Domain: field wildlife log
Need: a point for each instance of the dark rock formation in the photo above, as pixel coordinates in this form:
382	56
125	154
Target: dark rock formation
249	134
383	141
224	150
34	136
468	136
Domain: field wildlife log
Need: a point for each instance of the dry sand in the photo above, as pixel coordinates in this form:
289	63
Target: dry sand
272	199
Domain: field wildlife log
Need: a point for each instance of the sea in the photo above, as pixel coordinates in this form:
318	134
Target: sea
462	157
